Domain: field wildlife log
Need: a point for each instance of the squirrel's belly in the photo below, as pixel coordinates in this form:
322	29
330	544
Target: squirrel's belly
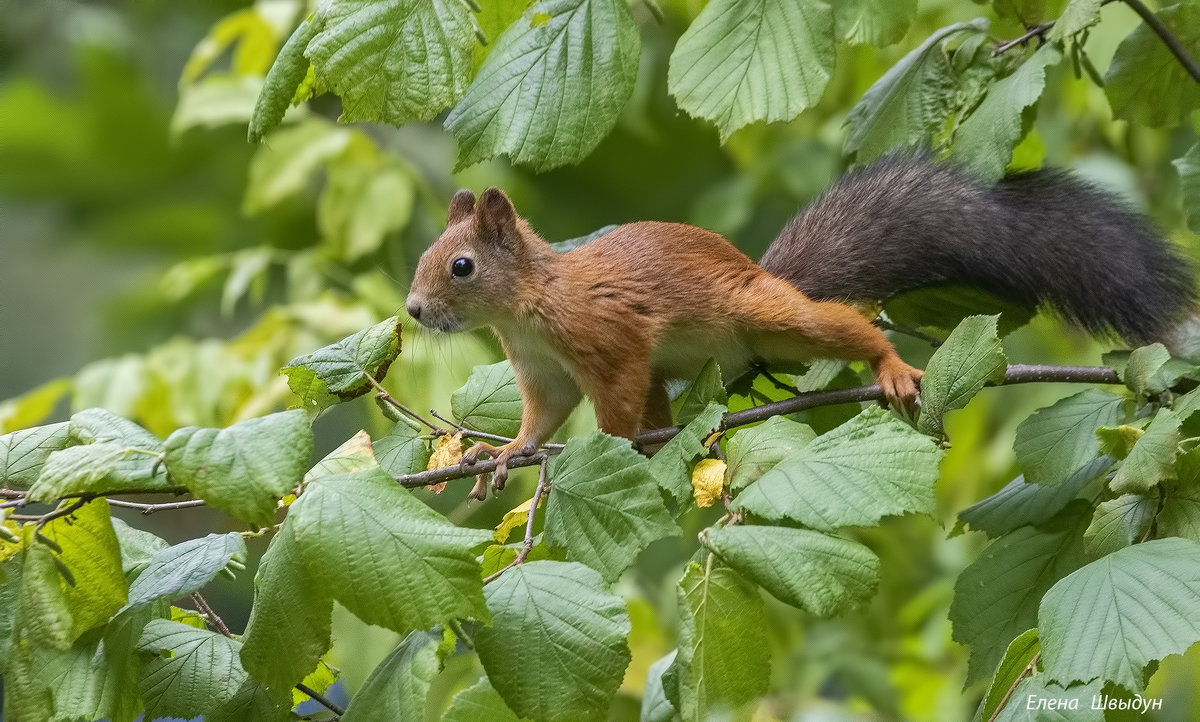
681	353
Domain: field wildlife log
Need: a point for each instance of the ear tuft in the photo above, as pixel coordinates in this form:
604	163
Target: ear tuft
462	204
496	211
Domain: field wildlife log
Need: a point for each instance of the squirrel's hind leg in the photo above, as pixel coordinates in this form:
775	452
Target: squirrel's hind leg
785	325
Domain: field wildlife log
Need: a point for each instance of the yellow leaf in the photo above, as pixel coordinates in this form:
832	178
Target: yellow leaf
515	517
448	452
540	19
319	680
14	540
708	479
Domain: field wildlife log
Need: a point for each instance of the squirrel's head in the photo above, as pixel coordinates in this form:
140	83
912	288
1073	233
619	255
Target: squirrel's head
468	277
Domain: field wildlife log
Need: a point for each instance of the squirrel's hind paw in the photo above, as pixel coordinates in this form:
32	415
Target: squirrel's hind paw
900	384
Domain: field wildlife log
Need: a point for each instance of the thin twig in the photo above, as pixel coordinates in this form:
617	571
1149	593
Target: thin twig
1024	673
210	615
12	503
478	434
1037	31
322	699
383	394
1016	374
528	545
151	508
777	383
60	512
1164	33
933	341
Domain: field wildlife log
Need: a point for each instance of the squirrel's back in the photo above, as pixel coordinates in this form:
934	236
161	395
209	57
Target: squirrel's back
1039	237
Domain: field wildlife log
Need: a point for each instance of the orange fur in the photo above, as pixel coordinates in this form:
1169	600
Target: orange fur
615	317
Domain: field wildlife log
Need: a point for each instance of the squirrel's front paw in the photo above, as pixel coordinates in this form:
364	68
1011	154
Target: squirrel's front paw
500	474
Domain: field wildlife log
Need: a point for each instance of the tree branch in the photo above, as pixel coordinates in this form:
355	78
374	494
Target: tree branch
1016	374
148	509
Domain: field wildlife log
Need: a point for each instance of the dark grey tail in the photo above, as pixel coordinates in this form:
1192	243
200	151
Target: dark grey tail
1041	237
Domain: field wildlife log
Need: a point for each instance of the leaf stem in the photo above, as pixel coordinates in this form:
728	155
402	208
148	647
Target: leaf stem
527	547
1024	673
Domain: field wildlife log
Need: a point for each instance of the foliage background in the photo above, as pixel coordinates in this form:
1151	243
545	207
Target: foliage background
109	208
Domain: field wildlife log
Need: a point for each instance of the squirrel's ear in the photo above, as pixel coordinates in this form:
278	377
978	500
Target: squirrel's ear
463	203
496	212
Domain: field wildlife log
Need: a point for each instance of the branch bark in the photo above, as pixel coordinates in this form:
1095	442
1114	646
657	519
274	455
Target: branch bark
1016	374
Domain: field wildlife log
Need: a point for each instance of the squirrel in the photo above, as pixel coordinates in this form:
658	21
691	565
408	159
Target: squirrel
617	317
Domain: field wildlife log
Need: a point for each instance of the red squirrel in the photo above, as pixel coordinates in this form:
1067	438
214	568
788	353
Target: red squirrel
616	317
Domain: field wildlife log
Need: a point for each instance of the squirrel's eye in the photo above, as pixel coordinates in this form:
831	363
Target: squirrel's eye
462	267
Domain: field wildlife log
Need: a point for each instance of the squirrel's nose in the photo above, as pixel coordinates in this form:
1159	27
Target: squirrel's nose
413	307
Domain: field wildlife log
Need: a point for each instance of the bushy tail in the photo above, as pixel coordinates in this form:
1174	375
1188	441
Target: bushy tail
1041	237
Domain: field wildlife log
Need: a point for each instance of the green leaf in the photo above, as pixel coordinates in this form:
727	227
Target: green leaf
556	648
912	99
1040	688
394	61
22	453
996	597
946	306
84	688
1017	658
401	451
290	622
985	140
606	506
287	165
873	22
282	80
813	571
385	556
1142	366
203	671
1020	502
346	368
77	469
478	702
970	357
1180	514
722	642
397	687
1121	612
217	100
245	469
490	401
553	86
92	556
40	623
1118	523
1152	459
743	61
252	702
1145	83
139	469
656	707
364	201
137	546
708	388
670	465
1188	166
179	570
752	452
870	467
1055	441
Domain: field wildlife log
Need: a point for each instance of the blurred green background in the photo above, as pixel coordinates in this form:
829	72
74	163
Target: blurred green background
153	262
